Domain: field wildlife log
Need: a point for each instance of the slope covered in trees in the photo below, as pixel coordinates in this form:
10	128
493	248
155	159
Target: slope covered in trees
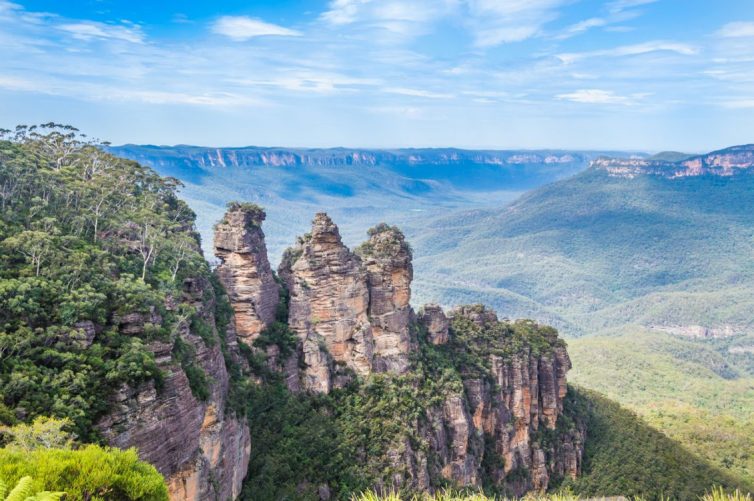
86	238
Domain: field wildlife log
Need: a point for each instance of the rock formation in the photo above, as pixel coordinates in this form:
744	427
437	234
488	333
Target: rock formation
501	418
387	258
328	310
245	270
200	446
434	320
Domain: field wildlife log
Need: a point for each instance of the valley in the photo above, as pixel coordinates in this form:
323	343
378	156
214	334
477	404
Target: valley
644	271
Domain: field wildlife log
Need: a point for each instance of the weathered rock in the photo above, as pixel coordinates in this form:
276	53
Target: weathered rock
434	320
328	306
387	258
245	270
477	313
187	440
499	420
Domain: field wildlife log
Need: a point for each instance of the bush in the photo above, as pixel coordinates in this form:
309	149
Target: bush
93	473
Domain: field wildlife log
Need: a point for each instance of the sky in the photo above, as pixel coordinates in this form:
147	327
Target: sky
645	75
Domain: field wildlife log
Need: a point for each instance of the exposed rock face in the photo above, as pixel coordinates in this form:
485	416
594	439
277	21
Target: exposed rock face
245	270
700	331
350	312
279	157
506	414
433	318
200	447
387	258
328	310
727	162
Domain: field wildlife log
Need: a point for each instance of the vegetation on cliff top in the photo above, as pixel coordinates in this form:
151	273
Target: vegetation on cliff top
86	240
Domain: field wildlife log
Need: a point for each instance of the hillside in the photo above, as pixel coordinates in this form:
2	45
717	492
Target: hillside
651	260
601	250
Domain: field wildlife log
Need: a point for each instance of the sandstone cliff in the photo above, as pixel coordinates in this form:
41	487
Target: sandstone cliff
727	162
329	299
503	423
387	259
197	443
245	271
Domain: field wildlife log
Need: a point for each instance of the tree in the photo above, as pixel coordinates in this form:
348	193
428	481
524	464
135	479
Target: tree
33	244
42	433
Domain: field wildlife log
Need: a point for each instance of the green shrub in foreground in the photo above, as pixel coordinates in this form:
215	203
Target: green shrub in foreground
24	491
717	494
92	473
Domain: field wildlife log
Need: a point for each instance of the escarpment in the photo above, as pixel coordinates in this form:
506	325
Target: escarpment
245	271
488	396
183	424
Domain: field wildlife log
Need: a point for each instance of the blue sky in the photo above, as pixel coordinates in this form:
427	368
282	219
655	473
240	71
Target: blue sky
623	74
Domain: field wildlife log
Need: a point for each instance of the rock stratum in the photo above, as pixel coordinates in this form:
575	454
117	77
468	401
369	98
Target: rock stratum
726	162
351	316
199	445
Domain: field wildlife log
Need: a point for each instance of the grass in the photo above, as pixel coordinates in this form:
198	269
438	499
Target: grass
717	494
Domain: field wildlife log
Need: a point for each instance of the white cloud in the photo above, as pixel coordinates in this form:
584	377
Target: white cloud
490	22
632	50
88	30
737	30
307	82
221	99
599	96
495	22
417	93
739	104
242	28
398	19
622	5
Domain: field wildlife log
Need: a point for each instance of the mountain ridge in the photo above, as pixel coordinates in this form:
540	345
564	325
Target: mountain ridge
725	162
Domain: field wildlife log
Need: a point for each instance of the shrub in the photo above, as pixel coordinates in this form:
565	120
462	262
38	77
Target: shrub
93	473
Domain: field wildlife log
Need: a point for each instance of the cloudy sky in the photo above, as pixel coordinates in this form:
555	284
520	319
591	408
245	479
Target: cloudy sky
638	74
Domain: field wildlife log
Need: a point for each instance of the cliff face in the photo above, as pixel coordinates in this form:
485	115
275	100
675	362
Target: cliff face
350	310
727	162
199	445
504	423
278	157
245	270
387	259
329	299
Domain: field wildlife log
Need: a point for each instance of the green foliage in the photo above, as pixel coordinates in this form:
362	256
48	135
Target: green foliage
42	433
716	495
92	473
625	456
24	491
280	335
86	238
345	439
185	354
719	494
681	387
